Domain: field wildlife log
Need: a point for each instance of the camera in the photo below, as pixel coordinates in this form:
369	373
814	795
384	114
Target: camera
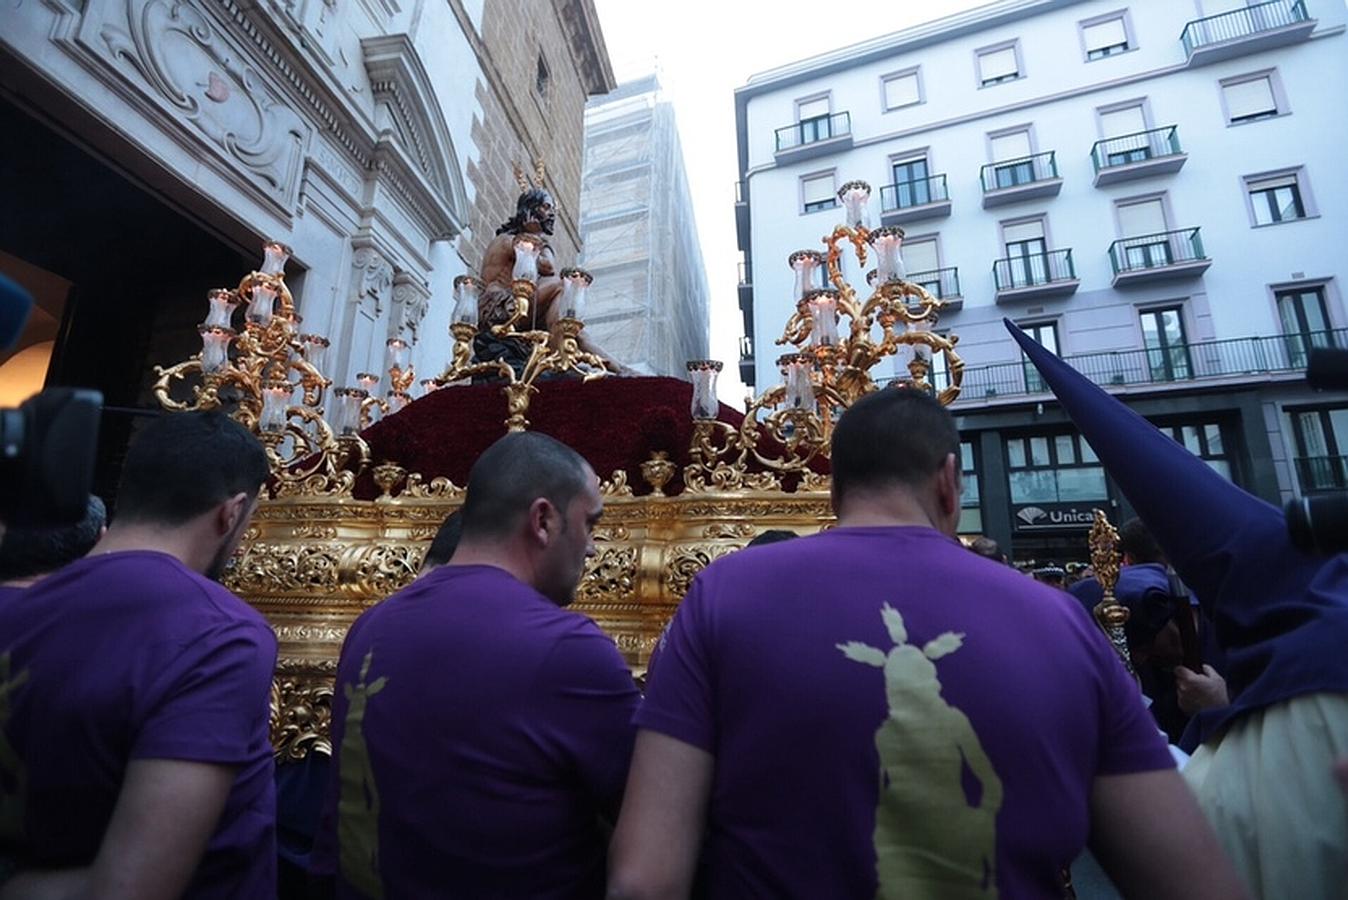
47	449
1319	524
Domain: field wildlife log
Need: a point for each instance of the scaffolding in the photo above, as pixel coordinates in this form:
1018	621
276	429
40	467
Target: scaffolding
648	306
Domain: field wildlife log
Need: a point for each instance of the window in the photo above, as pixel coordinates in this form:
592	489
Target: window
1046	334
912	186
1167	350
1276	199
542	77
817	192
1305	322
901	89
940	367
1123	128
998	64
1321	437
1012	150
1054	468
1026	255
1104	37
1144	221
1204	440
1249	99
920	256
971	511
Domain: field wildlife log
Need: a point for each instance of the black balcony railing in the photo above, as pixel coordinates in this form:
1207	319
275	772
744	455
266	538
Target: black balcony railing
1011	173
1134	148
1239	23
746	273
1322	473
918	192
1156	251
811	131
1254	358
1033	269
940	283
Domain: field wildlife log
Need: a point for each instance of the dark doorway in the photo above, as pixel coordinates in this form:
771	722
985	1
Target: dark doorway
138	271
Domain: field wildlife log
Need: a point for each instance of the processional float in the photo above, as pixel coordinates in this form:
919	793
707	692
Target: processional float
345	521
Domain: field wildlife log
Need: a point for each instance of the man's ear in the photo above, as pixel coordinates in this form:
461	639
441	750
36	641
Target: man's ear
230	512
542	521
948	485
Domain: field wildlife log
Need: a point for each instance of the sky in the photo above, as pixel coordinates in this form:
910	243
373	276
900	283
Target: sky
702	50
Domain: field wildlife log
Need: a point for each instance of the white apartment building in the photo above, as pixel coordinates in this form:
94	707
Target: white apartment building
648	306
1153	189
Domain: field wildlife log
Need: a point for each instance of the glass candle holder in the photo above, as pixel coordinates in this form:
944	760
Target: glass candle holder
395	355
886	243
921	351
315	350
527	250
275	402
575	285
221	303
856	199
262	305
367	381
396	401
274	257
467	290
796	376
703	373
824	312
346	417
214	347
428	386
805	263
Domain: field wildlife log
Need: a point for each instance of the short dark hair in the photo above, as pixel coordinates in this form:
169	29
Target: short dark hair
25	552
445	542
771	536
514	472
893	436
182	464
987	548
1135	540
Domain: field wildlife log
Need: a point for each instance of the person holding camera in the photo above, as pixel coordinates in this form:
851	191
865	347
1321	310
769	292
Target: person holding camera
134	692
29	554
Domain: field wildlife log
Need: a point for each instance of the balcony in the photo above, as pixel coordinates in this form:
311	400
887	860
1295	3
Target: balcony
810	138
1249	30
1035	276
1241	359
1322	473
746	286
742	215
1142	155
912	201
1014	180
1157	257
943	284
747	374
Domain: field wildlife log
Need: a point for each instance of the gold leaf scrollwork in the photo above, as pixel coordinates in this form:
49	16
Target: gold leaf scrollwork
301	717
688	561
616	486
610	575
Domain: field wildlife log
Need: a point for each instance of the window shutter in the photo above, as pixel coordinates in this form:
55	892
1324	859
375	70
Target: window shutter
998	63
1249	98
1105	34
901	90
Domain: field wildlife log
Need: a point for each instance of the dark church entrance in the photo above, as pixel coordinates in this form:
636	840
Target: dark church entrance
120	276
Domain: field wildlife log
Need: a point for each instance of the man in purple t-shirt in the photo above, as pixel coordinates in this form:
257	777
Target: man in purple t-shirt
134	689
480	732
875	711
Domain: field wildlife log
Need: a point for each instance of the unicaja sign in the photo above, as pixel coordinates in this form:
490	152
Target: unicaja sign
1058	516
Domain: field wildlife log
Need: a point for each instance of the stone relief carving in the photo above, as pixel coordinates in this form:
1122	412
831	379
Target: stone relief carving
411	300
178	54
373	278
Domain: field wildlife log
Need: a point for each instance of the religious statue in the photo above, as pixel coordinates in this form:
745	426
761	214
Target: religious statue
535	215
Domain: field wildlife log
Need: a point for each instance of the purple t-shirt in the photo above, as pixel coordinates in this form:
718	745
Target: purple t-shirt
891	714
133	656
479	734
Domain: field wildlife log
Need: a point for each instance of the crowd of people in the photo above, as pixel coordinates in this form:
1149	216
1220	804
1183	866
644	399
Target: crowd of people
873	711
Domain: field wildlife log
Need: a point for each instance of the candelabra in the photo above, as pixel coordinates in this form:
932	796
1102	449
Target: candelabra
829	367
253	374
548	353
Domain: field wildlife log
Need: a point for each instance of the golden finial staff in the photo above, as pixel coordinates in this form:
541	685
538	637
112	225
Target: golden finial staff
1109	613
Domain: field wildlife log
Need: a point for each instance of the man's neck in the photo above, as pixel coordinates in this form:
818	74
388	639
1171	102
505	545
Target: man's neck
135	536
884	509
496	556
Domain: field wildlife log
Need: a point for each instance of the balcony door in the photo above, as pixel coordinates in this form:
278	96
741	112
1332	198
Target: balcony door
1322	442
1143	226
1026	254
920	261
1014	150
812	120
1123	129
1305	323
911	185
1046	335
1166	347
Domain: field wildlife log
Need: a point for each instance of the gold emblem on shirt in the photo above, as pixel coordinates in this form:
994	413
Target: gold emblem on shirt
358	802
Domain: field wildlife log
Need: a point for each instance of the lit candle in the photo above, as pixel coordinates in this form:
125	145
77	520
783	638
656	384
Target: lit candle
396	401
346	421
575	285
886	243
395	355
214	347
824	311
274	257
222	305
315	349
923	325
275	401
467	289
703	372
856	198
796	371
804	263
526	258
262	305
367	381
429	385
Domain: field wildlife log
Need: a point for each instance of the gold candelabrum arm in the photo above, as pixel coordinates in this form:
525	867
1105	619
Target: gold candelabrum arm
1110	614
